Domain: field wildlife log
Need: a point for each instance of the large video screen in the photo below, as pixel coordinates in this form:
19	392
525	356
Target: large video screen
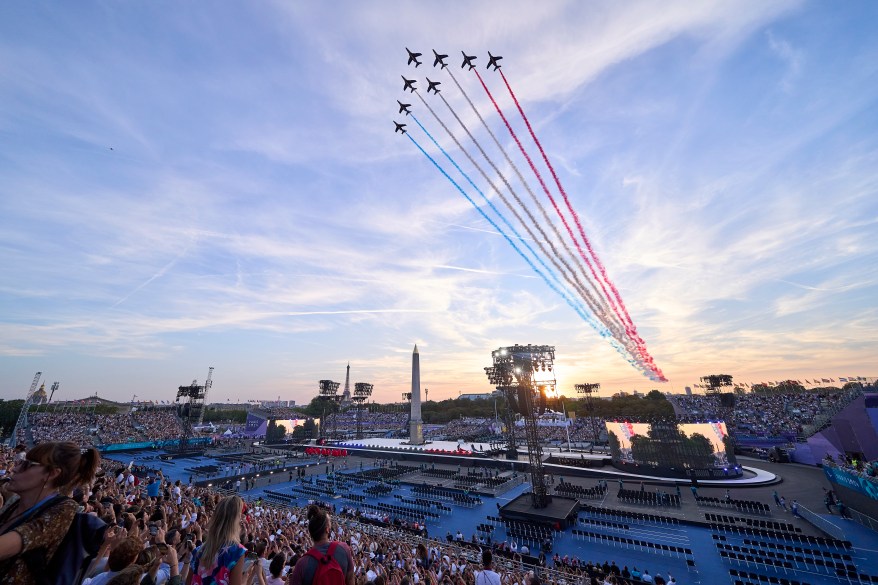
696	446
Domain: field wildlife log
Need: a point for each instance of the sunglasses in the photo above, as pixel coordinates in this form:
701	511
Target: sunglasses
25	464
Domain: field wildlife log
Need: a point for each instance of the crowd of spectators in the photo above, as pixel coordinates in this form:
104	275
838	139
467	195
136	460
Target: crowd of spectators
87	428
768	414
156	530
372	421
155	425
857	466
467	428
79	427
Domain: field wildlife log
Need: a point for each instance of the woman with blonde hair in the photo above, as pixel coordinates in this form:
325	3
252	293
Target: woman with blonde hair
217	560
35	520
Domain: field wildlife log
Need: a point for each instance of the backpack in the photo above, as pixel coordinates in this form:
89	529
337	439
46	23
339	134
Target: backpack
328	570
78	548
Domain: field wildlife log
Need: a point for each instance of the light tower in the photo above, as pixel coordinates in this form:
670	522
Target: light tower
328	395
588	390
524	373
362	392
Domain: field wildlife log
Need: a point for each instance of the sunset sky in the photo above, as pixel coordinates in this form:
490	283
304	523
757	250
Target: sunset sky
186	185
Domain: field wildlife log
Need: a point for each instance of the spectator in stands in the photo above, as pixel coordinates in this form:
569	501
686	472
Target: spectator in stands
124	552
217	560
276	569
646	577
38	515
487	576
320	529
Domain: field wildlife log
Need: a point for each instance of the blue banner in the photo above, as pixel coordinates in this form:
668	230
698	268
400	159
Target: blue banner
152	444
852	481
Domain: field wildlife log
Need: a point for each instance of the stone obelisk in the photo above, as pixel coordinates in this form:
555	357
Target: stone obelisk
416	425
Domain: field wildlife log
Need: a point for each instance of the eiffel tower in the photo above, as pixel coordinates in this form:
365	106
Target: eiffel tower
346	395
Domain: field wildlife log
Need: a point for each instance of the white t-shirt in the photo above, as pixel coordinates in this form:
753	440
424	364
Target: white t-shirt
487	577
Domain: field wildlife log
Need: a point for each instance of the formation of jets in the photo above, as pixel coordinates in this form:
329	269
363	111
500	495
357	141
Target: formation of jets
438	60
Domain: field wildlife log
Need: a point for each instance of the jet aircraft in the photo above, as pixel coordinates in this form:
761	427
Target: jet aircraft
413	57
399	127
432	86
439	59
492	61
468	61
404	108
409	84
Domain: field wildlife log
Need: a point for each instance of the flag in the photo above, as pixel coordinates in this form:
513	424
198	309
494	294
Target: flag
825	380
832	380
842	379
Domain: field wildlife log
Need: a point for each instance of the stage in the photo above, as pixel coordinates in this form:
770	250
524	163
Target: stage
560	511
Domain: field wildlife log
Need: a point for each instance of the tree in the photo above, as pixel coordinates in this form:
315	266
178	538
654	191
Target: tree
275	433
655	395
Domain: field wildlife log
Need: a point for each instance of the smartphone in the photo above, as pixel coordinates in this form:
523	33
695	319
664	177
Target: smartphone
190	537
153	529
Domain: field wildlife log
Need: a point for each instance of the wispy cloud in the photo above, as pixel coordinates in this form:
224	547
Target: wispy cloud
235	193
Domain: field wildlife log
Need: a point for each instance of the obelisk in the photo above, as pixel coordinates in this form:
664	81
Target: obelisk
416	425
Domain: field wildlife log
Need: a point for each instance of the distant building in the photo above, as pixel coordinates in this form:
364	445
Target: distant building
277	403
688	391
476	396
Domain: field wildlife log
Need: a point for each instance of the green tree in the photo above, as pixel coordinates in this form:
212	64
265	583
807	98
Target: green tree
655	395
274	433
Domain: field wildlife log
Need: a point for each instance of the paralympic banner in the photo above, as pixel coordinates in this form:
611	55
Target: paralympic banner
861	485
326	452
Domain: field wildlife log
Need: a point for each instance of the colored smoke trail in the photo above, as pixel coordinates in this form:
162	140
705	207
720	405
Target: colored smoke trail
601	329
577	285
631	332
600	295
620	333
549	195
585	240
581	313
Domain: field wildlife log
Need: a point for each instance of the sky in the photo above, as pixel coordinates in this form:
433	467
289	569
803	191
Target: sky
195	185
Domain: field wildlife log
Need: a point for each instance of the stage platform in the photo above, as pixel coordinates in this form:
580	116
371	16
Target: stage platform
753	476
560	511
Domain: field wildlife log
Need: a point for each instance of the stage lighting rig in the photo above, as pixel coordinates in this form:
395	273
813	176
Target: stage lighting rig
362	392
715	382
588	390
329	396
520	372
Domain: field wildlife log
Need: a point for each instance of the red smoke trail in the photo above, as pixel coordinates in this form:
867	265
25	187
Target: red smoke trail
630	330
630	327
554	205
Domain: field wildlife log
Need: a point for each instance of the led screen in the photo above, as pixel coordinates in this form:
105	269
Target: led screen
700	445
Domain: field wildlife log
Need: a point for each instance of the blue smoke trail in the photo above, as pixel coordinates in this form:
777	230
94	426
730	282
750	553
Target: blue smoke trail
585	316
